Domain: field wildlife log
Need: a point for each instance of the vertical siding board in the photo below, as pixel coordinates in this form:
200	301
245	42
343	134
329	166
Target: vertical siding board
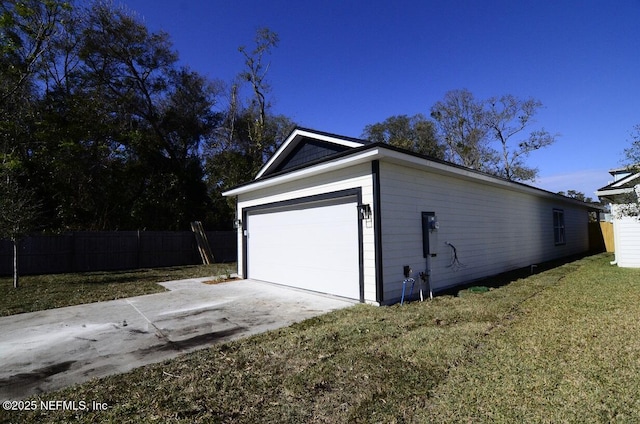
627	239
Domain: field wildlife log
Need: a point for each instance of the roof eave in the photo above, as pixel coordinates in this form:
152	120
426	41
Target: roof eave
381	151
307	171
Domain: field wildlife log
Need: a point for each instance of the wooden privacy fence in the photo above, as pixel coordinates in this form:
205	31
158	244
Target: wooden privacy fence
607	235
601	237
115	250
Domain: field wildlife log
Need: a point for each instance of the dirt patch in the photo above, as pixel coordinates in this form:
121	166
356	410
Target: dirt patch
221	280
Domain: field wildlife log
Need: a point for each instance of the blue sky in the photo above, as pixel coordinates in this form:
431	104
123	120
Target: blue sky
341	65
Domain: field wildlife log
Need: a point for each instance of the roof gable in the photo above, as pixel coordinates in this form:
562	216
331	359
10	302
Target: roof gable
308	150
620	189
627	181
306	146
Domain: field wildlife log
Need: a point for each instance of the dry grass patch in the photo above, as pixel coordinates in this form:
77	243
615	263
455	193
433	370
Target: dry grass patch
571	355
222	279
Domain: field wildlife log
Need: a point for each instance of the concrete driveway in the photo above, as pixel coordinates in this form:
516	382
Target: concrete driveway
47	350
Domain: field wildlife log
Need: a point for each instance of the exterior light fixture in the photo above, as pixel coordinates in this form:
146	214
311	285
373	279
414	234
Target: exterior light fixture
237	223
364	211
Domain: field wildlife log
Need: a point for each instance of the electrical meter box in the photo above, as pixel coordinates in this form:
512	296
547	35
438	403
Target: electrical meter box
429	234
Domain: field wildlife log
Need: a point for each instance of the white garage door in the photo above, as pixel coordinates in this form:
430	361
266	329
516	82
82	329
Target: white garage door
313	246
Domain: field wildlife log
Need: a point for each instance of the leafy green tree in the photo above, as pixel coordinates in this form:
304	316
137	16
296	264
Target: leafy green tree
414	133
27	28
578	195
163	115
109	131
76	155
44	123
27	31
234	161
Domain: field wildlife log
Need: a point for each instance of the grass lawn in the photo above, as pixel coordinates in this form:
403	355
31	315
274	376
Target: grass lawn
38	292
559	346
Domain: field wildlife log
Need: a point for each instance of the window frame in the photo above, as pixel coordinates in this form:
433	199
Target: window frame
559	227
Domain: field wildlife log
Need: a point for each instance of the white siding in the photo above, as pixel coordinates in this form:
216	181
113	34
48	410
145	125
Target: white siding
627	240
494	229
358	176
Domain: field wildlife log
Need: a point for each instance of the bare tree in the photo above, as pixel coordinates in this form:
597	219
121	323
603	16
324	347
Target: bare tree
507	118
628	203
632	153
250	133
461	121
255	74
471	128
18	213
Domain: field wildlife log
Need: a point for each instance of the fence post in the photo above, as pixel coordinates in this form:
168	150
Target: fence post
138	248
74	259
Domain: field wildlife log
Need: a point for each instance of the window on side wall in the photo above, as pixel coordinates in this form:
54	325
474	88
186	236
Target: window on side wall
558	227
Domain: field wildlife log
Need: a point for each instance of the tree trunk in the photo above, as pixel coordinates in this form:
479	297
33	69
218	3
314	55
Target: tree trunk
15	264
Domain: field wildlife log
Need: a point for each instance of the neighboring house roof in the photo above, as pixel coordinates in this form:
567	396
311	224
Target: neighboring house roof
619	190
308	152
618	173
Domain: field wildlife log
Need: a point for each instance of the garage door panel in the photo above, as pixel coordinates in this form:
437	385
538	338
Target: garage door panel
314	247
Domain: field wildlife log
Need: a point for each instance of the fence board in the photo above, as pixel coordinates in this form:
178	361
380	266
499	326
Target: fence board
116	250
607	234
224	245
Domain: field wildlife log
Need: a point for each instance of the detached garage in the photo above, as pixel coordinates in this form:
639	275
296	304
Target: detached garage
347	217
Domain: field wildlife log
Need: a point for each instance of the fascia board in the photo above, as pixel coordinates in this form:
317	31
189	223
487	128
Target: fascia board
625	180
619	183
283	147
614	192
382	153
321	168
298	133
329	138
443	168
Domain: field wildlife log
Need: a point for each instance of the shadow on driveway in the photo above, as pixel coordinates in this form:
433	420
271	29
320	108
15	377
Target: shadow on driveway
47	350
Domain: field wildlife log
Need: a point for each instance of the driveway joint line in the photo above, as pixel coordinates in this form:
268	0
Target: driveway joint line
164	336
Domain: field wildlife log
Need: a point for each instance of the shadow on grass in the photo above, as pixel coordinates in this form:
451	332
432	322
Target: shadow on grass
502	279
